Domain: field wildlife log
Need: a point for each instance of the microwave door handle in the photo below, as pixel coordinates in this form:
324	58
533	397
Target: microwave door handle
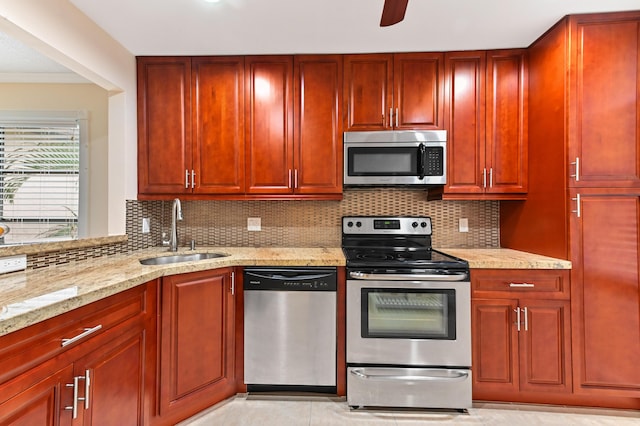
422	152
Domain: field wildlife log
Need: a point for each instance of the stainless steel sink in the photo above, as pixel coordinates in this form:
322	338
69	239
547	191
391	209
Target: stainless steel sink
177	258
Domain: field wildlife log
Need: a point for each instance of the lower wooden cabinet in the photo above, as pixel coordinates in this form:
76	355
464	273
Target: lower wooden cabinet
521	336
40	397
197	364
529	355
102	377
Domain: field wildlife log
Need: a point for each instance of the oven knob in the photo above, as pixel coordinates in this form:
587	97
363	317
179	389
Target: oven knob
350	224
414	224
358	224
423	224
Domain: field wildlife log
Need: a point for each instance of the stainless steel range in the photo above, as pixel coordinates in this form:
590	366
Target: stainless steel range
408	316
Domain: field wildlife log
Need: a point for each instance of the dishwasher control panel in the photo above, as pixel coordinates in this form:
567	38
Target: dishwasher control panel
290	279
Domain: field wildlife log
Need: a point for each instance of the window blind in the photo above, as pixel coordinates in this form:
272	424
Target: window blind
39	181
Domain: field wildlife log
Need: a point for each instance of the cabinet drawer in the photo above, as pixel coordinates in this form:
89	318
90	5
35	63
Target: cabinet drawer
547	283
32	345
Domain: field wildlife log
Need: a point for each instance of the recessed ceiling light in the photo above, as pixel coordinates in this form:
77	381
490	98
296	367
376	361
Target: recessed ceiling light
212	1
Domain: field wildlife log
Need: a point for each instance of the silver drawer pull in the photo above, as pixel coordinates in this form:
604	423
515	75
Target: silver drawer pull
528	285
408	277
459	375
85	333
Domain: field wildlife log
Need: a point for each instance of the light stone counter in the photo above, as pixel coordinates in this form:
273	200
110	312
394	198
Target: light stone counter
36	295
501	258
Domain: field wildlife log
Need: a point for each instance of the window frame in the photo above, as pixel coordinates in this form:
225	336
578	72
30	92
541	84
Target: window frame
58	117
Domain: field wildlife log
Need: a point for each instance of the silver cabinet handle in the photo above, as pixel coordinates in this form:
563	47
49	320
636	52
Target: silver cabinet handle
484	177
577	210
186	178
526	320
74	405
233	283
577	164
85	333
87	385
289	184
517	311
527	285
408	277
460	375
295	178
491	177
390	117
193	178
397	117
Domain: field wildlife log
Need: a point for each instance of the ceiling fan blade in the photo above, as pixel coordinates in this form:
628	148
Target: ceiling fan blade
393	12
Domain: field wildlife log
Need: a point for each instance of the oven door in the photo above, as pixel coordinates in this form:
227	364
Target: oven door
409	323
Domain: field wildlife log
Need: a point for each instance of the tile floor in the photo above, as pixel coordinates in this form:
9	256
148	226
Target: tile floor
249	410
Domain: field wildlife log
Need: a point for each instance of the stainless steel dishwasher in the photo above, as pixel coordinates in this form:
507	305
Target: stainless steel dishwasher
290	329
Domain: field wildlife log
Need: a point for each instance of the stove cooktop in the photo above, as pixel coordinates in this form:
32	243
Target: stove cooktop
398	258
393	242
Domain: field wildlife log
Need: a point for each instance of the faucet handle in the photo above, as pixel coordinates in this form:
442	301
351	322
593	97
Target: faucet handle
193	244
165	239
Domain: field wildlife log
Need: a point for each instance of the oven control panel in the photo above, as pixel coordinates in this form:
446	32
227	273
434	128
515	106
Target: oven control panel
376	225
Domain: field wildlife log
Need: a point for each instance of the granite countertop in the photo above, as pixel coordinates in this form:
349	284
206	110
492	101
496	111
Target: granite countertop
31	296
35	295
502	258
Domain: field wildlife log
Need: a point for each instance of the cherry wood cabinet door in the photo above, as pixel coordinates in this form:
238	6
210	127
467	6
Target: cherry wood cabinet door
164	125
42	400
197	342
218	124
368	92
506	121
116	375
606	103
545	346
606	292
318	124
465	121
494	346
269	127
418	97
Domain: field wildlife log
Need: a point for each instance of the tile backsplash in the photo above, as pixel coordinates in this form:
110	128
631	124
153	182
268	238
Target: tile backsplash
304	223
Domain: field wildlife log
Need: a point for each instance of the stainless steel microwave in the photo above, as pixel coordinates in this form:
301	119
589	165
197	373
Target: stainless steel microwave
395	158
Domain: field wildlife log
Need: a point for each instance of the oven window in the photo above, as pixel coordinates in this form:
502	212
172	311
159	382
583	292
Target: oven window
408	313
398	161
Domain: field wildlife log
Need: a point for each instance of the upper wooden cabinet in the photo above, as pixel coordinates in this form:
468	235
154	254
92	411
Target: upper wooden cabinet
164	125
486	119
294	132
223	127
318	124
218	125
269	131
393	91
604	149
190	125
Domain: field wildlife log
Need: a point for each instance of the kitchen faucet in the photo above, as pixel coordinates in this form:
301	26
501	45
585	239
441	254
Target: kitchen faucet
176	215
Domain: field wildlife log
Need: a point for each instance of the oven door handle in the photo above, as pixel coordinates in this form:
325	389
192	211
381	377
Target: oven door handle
459	375
459	276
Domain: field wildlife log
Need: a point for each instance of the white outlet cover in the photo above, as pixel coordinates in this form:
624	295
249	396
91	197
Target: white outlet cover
254	224
463	225
146	225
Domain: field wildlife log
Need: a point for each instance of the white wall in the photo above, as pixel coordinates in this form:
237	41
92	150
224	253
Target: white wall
73	97
60	31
